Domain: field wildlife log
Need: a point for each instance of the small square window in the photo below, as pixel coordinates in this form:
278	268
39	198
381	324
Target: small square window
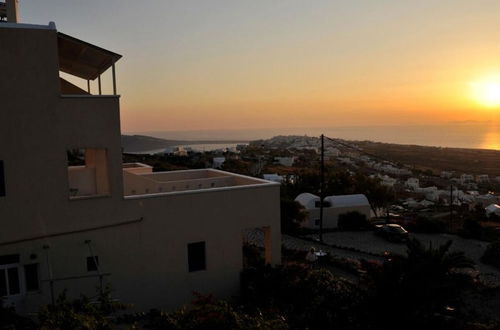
92	263
31	277
316	222
196	256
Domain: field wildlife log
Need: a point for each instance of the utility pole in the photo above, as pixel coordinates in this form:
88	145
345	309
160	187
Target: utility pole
322	188
451	207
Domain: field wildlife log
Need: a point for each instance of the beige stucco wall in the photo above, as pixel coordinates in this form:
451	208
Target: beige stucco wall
148	259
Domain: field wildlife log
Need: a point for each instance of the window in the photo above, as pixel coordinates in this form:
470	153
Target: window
31	277
2	179
196	256
316	222
9	275
92	263
88	172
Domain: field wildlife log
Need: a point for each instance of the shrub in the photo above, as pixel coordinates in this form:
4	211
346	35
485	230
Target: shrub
252	256
492	254
309	299
292	216
9	319
205	313
81	313
426	225
353	221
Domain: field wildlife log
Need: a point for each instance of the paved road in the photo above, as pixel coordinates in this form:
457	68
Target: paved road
372	244
367	241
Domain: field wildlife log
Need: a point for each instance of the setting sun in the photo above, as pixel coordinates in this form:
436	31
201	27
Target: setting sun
487	92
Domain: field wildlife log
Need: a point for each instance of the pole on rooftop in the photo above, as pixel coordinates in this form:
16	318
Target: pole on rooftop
322	188
114	77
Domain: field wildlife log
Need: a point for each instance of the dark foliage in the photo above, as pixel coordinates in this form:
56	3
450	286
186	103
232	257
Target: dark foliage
82	313
292	216
353	221
417	289
492	254
9	319
426	225
205	313
312	299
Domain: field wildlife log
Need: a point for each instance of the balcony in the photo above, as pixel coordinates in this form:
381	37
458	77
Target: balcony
81	64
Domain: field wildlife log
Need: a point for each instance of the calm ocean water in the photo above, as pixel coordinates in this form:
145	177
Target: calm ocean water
456	135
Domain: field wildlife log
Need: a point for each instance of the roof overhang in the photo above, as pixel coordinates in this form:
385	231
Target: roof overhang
81	59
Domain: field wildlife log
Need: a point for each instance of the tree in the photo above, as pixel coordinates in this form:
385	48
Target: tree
419	286
292	215
492	254
353	221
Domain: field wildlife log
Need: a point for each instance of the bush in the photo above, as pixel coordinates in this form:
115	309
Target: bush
429	226
353	221
252	256
492	254
474	229
292	216
205	313
309	299
81	313
9	319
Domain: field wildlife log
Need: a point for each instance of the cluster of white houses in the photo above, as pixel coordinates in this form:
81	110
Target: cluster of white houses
73	216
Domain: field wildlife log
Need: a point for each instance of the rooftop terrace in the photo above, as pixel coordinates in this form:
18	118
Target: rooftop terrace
140	180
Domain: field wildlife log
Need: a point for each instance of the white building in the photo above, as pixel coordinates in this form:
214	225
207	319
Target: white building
446	174
285	161
487	199
72	216
217	162
465	178
412	183
332	152
385	180
273	177
483	178
493	209
333	207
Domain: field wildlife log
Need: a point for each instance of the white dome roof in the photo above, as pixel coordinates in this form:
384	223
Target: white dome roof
347	200
307	200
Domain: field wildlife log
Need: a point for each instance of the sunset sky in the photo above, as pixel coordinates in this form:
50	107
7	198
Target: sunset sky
291	63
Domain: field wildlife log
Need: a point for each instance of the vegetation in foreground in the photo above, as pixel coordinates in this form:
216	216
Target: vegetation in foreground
428	288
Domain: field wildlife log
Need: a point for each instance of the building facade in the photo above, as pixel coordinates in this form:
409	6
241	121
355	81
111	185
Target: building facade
74	217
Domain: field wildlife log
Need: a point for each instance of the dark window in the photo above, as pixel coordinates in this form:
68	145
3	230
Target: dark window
92	263
13	275
9	259
196	256
2	179
316	222
3	283
31	277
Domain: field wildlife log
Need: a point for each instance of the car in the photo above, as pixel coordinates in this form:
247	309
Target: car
392	232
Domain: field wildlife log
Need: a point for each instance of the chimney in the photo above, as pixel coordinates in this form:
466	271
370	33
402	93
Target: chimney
12	11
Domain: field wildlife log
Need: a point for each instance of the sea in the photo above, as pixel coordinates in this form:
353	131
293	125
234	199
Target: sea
478	135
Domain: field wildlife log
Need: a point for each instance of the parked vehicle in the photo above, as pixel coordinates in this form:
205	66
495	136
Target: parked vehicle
392	232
